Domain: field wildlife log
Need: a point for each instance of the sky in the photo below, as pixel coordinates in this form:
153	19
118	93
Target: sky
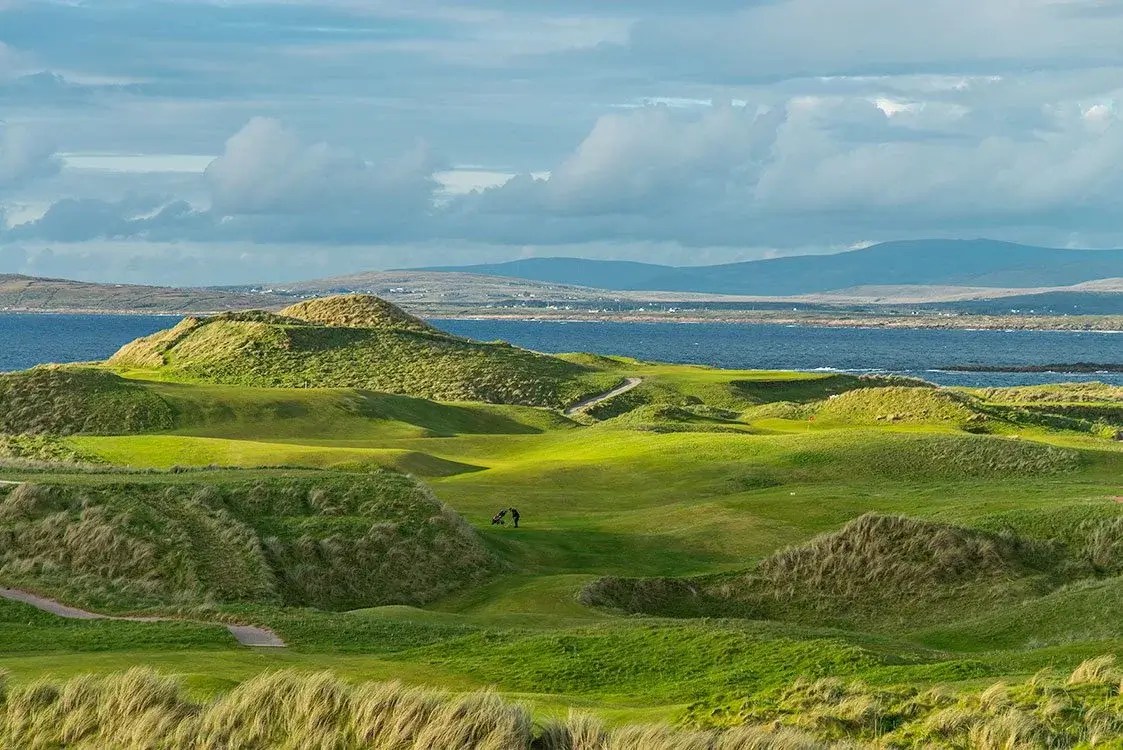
246	141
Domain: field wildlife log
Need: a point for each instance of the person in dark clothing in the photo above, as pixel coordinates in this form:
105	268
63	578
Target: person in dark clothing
515	516
497	519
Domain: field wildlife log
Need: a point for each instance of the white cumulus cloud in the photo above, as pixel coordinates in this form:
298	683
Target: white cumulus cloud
267	169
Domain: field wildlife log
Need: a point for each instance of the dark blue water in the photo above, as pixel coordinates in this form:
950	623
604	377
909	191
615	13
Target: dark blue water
921	353
27	340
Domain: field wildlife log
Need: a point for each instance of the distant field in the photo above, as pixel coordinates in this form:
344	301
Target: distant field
688	551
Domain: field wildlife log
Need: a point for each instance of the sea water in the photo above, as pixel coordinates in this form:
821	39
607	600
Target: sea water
31	339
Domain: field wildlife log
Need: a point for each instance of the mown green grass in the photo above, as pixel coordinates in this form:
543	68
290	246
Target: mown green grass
25	630
620	499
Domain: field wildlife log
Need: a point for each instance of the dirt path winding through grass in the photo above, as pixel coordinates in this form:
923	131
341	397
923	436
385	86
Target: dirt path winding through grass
247	635
627	385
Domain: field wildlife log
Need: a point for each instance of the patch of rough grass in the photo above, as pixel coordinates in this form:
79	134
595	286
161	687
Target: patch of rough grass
877	572
356	311
358	342
335	543
1080	710
669	418
899	404
299	711
78	400
42	449
289	710
813	389
1083	393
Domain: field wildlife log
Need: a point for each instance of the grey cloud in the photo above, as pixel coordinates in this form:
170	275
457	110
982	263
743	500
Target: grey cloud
25	155
830	170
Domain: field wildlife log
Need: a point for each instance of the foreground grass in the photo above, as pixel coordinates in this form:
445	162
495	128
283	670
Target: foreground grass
140	709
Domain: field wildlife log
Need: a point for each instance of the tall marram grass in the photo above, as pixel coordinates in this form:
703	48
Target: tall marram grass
291	710
142	710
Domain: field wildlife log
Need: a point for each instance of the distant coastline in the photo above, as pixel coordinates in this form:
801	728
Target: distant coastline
1075	367
1074	323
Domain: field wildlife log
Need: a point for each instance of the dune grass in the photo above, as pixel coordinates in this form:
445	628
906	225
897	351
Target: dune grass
142	709
356	341
136	545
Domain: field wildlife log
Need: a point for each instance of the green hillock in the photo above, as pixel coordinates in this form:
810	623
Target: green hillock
805	390
899	404
877	572
357	341
356	311
73	400
335	543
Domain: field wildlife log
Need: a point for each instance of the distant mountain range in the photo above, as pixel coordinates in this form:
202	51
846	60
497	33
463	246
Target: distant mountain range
978	277
959	263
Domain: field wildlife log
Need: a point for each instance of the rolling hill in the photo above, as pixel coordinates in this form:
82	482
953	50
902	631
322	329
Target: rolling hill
30	293
970	263
356	341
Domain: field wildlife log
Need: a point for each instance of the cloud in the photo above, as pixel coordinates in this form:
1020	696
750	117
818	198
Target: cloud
799	38
266	169
866	119
267	185
812	170
828	170
25	155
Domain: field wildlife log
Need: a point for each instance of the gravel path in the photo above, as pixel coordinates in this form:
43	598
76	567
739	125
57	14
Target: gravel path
247	635
628	385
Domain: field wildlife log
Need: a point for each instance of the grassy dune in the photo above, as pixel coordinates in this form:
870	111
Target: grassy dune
145	544
355	341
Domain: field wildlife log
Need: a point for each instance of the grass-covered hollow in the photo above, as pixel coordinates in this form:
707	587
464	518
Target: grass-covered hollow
332	543
356	341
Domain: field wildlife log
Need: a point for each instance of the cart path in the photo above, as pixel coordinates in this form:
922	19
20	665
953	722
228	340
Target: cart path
628	385
247	635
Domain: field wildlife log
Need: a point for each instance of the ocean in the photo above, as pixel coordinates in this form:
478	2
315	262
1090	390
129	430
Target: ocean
30	339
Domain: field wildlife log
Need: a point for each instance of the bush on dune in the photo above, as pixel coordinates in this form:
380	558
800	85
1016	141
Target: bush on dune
330	543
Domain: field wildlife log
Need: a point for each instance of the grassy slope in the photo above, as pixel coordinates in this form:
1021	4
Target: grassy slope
145	543
356	342
615	500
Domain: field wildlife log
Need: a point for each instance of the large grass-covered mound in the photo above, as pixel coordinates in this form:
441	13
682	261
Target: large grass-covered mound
900	404
357	341
342	542
878	572
71	400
